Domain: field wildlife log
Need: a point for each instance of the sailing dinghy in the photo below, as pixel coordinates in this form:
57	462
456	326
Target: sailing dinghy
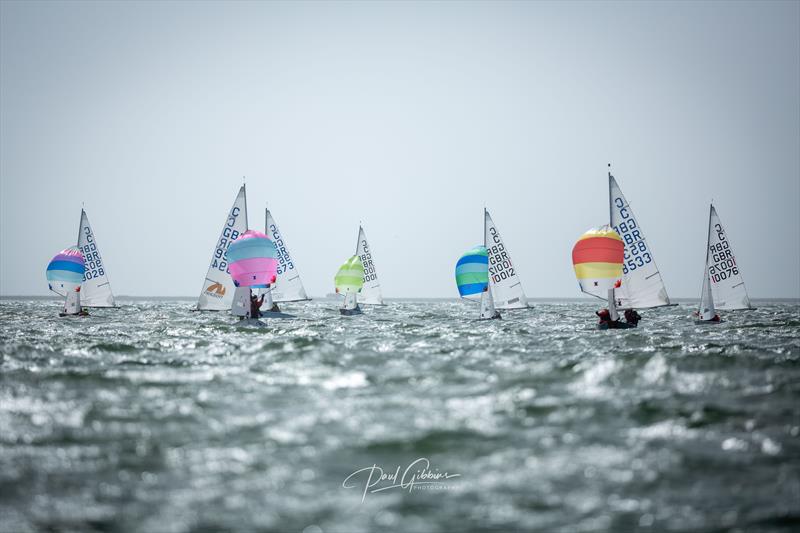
349	282
64	277
218	288
723	286
642	286
597	258
472	280
253	264
371	291
504	281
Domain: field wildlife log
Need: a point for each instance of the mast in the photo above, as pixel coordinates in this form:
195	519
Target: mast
705	265
484	226
80	224
610	207
244	188
358	239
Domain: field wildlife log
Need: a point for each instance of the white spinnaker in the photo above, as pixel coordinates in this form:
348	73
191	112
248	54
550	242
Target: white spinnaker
727	284
288	286
218	287
504	281
96	289
371	291
642	286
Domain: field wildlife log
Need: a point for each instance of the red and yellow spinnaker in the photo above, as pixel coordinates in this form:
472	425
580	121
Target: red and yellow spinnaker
597	258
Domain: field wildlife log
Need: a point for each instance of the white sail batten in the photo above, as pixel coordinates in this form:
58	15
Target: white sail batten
95	289
727	285
371	292
504	280
642	286
218	287
288	286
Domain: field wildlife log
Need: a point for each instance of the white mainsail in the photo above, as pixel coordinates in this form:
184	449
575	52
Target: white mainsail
288	286
371	292
642	286
96	289
218	287
727	285
504	281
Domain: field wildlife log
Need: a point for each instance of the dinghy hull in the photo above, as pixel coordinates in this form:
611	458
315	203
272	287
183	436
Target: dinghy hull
615	325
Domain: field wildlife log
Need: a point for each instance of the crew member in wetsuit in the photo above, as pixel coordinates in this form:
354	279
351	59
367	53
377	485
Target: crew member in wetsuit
632	317
605	316
255	306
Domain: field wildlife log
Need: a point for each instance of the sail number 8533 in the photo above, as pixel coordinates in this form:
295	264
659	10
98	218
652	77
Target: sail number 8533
637	254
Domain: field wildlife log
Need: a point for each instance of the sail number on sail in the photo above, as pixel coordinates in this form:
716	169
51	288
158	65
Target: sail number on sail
723	264
284	263
636	252
94	265
220	259
366	260
500	267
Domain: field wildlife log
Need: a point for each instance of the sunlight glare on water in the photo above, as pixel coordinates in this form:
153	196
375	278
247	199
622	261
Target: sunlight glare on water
151	417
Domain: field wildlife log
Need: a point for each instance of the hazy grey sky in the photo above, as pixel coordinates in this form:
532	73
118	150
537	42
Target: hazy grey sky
406	116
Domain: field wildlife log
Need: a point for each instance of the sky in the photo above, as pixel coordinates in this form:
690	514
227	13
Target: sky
409	117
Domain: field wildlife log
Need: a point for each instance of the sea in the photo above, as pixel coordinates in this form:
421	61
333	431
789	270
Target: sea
414	416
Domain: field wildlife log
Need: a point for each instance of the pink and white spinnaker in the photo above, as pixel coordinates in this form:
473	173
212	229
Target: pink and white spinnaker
253	260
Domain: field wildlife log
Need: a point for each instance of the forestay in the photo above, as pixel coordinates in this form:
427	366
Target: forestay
727	285
504	281
642	286
96	289
371	292
218	287
289	286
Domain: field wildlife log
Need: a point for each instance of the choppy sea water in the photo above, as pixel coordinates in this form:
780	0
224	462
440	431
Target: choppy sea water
152	418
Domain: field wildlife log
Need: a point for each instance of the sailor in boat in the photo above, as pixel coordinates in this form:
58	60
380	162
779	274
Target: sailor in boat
715	318
631	320
255	306
632	317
